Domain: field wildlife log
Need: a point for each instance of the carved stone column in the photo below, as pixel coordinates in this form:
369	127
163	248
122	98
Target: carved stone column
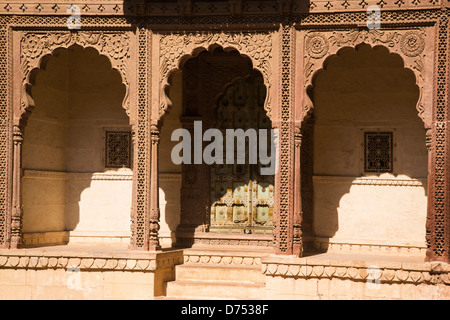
298	214
153	240
16	215
133	214
430	179
284	184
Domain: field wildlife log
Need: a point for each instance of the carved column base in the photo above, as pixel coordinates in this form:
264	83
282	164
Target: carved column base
16	226
153	241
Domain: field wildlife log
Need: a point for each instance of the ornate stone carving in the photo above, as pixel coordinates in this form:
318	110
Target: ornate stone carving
225	7
153	228
35	45
354	37
256	45
284	185
316	45
45	18
412	43
17	209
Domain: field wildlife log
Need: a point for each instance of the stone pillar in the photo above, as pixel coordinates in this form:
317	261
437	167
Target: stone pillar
438	216
133	214
153	240
298	213
16	215
284	179
430	190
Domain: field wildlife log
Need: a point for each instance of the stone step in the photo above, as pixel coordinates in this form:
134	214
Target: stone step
215	289
219	273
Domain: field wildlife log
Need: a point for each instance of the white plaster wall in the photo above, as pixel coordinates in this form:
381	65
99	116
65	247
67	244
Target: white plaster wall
362	90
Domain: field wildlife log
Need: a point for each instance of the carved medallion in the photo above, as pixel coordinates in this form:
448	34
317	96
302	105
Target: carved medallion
412	43
317	45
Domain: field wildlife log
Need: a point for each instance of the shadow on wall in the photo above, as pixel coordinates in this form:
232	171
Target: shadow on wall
364	90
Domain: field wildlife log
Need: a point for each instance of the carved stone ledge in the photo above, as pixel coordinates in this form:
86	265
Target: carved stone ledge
224	239
127	261
387	272
237	258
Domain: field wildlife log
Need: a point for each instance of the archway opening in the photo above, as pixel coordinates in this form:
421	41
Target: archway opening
365	166
77	153
217	90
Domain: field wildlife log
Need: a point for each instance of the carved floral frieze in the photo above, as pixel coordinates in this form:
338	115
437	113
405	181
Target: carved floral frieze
35	45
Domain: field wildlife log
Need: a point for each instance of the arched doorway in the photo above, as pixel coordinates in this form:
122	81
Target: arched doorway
241	195
77	152
366	166
219	90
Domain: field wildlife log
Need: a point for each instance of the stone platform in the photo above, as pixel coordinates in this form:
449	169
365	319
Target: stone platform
207	272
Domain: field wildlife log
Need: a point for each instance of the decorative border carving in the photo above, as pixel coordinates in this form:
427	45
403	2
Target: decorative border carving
221	259
284	185
391	272
190	8
83	261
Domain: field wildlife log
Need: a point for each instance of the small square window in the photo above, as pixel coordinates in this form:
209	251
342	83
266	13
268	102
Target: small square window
378	152
118	149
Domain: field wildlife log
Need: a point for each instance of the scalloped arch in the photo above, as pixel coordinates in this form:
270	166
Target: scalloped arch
329	45
38	47
176	49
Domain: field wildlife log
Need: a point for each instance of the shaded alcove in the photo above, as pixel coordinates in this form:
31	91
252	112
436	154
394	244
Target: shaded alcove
364	90
194	93
67	186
